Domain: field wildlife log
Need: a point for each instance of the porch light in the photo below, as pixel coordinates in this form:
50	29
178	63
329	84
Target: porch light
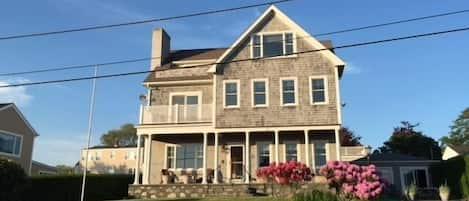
142	98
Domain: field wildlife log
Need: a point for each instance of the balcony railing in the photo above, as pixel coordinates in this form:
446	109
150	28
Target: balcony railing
174	114
352	153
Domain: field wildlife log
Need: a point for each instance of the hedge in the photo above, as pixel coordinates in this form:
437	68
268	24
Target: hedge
68	187
454	172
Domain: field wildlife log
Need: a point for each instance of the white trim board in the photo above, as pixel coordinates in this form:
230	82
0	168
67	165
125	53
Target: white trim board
299	32
266	82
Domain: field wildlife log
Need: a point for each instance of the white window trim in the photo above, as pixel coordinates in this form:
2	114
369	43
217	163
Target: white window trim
295	80
165	163
268	143
266	81
313	151
297	142
326	89
237	82
411	168
21	145
261	38
166	156
186	93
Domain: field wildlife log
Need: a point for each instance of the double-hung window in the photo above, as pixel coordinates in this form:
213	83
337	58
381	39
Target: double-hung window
320	157
171	157
288	93
318	89
272	44
291	151
263	154
10	144
231	93
260	96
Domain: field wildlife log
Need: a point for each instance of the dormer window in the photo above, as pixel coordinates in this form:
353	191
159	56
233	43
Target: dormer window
272	44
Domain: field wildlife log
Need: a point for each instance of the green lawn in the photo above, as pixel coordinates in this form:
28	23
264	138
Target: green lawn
216	199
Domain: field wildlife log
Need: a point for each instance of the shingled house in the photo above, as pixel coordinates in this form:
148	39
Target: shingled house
218	114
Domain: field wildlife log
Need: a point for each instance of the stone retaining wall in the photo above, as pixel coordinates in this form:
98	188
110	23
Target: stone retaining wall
210	190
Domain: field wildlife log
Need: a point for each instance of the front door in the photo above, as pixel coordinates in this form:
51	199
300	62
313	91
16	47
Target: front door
236	162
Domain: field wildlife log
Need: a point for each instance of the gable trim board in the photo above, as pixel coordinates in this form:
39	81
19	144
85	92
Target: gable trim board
21	116
299	33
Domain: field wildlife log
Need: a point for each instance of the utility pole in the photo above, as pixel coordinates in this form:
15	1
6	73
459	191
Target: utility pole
90	129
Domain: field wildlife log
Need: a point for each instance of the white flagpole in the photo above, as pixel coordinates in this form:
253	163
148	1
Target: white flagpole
90	129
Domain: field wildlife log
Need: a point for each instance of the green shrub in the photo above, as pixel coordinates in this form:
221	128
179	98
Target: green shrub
68	187
454	172
317	195
13	180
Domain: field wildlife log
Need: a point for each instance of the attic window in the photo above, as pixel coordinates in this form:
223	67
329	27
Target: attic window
272	44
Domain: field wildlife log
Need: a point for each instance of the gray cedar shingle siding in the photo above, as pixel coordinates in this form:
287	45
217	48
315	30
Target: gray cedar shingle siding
302	66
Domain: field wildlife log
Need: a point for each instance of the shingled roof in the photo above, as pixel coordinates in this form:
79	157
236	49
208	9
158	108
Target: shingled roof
194	55
460	149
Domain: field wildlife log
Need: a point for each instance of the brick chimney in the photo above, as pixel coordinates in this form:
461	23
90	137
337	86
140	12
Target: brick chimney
160	48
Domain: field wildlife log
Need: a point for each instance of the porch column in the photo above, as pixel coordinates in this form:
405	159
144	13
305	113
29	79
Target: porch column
337	144
215	159
137	166
248	158
147	173
276	148
204	163
307	151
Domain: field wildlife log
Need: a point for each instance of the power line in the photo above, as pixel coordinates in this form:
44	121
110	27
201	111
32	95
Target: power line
393	22
320	34
248	59
137	22
78	66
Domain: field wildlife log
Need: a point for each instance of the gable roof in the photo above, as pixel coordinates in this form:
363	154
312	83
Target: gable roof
4	106
300	33
196	54
460	149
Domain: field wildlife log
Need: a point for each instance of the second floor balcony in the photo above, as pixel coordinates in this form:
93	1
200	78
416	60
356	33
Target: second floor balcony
177	114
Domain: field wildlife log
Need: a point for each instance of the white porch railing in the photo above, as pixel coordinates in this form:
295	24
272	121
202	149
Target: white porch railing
173	114
352	153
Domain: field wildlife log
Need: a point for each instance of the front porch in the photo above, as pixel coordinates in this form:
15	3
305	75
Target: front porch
230	155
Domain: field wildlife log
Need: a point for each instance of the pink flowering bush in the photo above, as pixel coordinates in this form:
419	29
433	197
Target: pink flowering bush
285	173
359	182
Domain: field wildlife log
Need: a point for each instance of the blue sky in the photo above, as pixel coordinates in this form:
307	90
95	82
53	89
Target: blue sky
422	80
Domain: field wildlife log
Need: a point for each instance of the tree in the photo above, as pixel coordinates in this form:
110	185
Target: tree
124	136
348	137
459	133
406	140
13	180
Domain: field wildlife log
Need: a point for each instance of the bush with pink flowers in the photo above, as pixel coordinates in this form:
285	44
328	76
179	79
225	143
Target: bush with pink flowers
353	181
285	173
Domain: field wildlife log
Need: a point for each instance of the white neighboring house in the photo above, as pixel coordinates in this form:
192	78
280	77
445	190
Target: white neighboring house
452	151
109	159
